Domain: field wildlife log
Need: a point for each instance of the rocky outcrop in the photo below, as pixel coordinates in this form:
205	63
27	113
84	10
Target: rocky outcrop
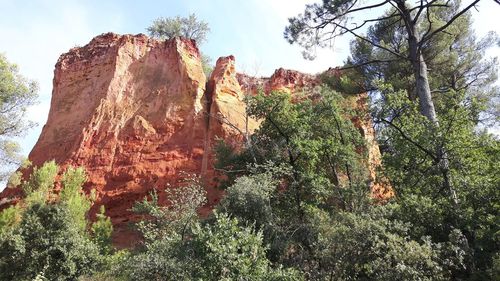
227	118
139	114
130	110
285	80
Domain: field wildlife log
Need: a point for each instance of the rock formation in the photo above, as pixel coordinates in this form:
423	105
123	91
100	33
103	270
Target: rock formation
139	114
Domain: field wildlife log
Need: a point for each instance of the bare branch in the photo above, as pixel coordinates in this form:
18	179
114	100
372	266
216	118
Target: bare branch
349	11
367	63
422	7
371	42
429	36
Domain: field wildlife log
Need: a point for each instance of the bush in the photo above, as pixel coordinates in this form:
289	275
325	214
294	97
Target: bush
46	243
248	199
219	251
374	246
102	230
9	218
45	236
178	246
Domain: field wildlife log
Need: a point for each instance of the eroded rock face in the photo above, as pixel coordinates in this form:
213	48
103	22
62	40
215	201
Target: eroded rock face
227	118
139	114
130	110
285	80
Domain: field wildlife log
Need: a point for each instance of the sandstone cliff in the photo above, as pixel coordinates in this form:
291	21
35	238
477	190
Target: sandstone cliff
139	113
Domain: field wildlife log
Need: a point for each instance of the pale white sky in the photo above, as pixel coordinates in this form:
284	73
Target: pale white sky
34	33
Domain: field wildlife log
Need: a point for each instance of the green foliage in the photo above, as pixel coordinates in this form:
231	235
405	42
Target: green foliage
449	165
231	162
9	218
206	63
371	247
420	235
108	268
176	217
347	81
164	229
9	156
72	195
226	251
219	251
313	136
249	199
102	229
43	238
16	95
309	156
188	27
178	246
456	58
416	176
46	243
16	178
39	186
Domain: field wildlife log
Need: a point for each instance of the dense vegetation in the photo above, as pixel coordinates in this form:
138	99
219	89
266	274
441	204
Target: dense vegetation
297	204
47	236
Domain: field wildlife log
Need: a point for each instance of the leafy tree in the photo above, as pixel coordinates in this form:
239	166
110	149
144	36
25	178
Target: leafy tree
164	229
249	199
307	155
16	95
226	251
411	165
321	23
46	243
102	229
46	236
371	246
255	201
443	172
456	58
39	187
313	136
9	218
188	27
72	195
176	217
462	84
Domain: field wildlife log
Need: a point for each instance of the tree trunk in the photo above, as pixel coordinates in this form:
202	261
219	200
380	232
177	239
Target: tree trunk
423	93
423	90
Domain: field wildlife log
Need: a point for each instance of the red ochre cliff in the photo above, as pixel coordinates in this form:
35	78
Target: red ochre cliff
138	114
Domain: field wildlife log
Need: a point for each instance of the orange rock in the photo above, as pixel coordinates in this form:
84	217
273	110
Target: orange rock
139	114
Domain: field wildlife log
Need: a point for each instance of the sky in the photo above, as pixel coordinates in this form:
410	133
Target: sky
33	34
